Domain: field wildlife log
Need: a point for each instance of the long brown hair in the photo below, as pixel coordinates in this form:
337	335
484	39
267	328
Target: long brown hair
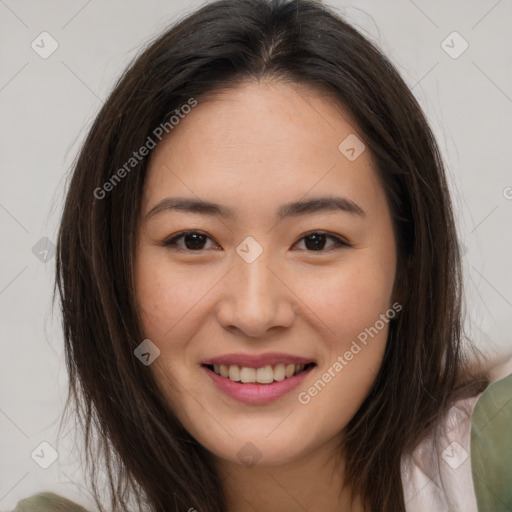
150	459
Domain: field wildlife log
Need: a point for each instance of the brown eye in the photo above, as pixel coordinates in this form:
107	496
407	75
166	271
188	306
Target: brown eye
195	241
316	241
192	241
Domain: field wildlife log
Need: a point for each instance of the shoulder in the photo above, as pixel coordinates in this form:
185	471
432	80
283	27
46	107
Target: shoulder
437	475
47	502
448	471
491	446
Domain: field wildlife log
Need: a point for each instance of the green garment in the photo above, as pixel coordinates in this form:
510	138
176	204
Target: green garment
47	502
491	447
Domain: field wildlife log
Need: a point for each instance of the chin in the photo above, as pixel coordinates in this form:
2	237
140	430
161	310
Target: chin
263	445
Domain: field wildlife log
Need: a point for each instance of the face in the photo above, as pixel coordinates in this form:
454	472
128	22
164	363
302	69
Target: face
246	292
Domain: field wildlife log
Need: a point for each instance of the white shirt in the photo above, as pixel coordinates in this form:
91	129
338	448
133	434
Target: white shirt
437	476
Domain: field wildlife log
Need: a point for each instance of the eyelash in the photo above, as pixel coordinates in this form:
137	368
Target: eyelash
171	242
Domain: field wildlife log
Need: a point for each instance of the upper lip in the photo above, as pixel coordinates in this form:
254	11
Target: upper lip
257	361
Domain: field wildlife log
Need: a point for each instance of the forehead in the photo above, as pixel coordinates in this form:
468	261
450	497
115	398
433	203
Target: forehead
263	143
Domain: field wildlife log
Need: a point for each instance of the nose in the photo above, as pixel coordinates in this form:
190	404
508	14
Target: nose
257	297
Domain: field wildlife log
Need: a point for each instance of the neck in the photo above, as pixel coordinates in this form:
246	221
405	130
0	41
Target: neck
312	482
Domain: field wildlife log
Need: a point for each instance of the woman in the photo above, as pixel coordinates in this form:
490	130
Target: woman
259	274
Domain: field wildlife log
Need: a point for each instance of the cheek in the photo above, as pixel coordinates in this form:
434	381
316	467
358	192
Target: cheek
351	306
350	302
166	299
155	301
350	298
165	295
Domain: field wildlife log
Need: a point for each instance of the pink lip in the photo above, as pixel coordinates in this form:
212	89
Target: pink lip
257	393
257	361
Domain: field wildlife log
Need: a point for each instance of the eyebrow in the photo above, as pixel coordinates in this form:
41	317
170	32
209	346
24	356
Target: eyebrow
293	209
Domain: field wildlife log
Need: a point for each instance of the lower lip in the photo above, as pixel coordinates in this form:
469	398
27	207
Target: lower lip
257	393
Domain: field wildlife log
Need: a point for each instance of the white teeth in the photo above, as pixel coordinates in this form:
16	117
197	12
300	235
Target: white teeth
264	375
234	373
289	370
279	372
247	374
224	370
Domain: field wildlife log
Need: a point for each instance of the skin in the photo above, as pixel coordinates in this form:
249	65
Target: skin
253	148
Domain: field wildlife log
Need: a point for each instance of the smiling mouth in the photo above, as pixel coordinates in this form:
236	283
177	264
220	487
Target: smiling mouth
265	375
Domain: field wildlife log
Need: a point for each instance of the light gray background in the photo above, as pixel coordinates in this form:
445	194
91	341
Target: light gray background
48	104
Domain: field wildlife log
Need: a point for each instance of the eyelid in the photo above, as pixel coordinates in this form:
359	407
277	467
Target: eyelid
338	239
170	242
